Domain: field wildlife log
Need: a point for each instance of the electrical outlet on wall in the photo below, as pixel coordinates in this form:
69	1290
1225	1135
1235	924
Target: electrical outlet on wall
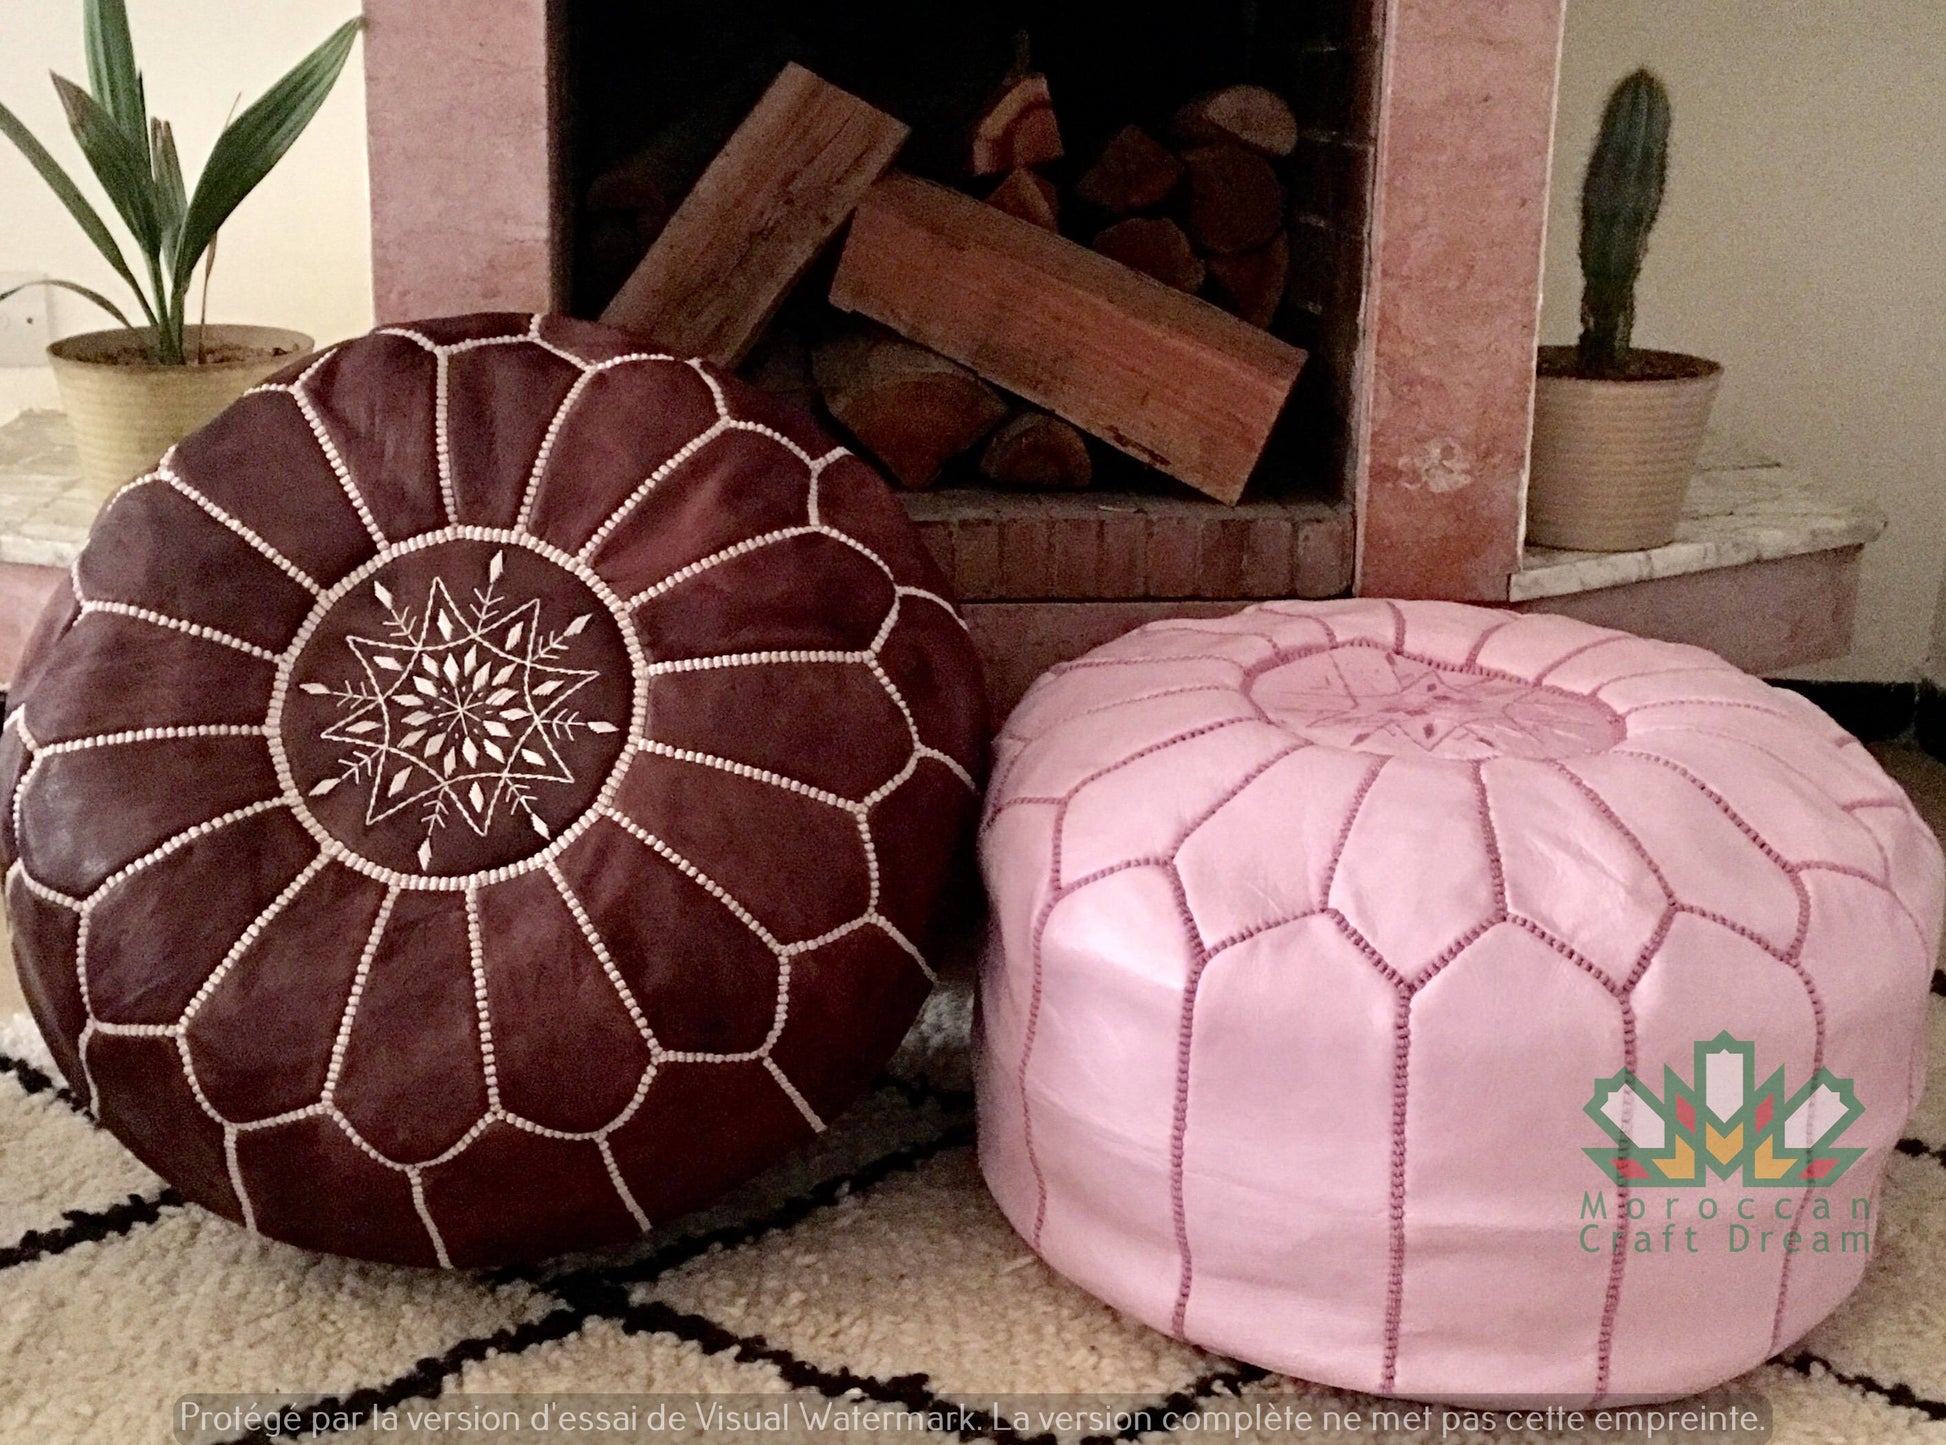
24	330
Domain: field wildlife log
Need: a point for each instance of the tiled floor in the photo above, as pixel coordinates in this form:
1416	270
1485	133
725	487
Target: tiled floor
1921	776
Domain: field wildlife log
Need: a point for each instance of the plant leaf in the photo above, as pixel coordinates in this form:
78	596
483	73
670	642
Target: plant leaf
70	196
171	198
112	75
255	141
95	296
120	163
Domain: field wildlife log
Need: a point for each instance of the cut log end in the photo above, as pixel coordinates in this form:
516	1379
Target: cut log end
1030	197
1037	450
1155	247
1018	129
910	408
1250	284
1135	172
1236	202
1249	115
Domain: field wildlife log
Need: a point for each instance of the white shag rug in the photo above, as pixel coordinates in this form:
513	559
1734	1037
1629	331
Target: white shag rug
875	1269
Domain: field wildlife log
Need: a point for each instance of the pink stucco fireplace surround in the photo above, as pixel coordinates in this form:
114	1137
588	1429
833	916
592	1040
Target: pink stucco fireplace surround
1450	163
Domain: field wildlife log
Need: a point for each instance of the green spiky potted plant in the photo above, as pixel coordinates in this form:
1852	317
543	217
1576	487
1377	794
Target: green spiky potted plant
1617	428
134	392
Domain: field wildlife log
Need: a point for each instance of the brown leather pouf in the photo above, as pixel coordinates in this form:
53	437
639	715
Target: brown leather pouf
486	794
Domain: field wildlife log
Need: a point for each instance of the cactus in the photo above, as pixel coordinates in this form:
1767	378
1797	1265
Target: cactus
1620	196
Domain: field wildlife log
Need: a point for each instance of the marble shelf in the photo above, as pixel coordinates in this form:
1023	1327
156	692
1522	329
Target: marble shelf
45	512
1741	508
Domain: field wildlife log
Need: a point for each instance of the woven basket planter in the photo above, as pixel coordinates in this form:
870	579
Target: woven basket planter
1612	458
127	410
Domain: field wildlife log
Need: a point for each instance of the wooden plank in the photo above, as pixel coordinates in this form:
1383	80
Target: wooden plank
751	226
1166	377
1444	366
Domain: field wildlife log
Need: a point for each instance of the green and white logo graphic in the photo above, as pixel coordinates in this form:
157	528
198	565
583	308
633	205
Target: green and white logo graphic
1722	1122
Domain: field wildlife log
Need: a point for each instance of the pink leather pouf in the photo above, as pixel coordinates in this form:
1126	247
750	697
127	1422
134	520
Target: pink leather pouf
1364	973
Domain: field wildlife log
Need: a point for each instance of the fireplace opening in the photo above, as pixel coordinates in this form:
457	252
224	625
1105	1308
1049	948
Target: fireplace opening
650	94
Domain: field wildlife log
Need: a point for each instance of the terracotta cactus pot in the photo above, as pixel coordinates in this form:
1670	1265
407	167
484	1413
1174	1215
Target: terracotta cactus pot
1612	458
127	410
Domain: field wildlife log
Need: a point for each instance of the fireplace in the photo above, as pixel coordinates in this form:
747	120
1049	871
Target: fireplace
652	93
1415	204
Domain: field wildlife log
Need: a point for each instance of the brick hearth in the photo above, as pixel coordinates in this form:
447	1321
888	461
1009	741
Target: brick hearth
1093	546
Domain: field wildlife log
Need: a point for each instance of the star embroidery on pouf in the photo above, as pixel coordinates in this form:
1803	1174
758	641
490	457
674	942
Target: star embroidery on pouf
1452	714
1424	709
462	712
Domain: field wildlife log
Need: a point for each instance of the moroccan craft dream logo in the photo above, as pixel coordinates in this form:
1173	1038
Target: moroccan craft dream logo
1723	1122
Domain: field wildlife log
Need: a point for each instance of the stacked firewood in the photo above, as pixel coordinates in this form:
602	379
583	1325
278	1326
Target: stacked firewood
911	407
1011	339
1205	213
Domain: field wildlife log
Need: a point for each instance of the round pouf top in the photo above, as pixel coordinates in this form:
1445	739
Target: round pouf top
486	793
1435	1001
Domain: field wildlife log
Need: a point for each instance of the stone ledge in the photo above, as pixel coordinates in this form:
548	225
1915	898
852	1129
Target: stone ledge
1734	515
1120	546
1762	616
45	512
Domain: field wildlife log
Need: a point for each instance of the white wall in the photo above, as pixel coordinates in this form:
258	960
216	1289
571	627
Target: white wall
295	254
1802	244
